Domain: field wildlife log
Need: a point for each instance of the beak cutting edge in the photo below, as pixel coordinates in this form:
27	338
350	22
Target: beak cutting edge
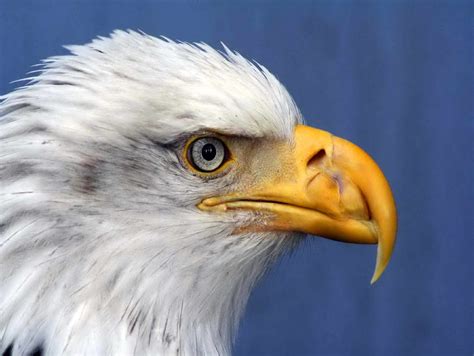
334	190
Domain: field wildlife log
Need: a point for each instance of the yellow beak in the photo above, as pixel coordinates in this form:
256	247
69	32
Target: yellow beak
334	190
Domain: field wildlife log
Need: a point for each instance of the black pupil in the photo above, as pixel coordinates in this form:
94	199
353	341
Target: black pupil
208	151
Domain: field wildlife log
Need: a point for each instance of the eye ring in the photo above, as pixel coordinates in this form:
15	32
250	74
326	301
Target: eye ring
207	154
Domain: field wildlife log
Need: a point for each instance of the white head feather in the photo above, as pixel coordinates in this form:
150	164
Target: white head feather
102	248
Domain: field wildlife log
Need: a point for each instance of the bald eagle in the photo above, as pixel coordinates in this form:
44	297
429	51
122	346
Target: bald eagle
145	187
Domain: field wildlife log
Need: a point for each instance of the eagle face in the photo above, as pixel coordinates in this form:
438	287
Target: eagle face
146	187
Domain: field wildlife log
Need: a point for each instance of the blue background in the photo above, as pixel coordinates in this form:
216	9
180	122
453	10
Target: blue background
394	77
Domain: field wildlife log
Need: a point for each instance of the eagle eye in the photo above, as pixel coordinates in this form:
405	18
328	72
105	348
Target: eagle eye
207	154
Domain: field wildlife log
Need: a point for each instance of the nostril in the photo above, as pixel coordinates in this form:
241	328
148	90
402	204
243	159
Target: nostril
317	159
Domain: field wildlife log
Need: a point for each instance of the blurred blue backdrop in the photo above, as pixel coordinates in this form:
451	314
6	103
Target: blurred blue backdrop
395	77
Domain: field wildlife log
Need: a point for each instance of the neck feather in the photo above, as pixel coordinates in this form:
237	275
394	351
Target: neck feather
151	294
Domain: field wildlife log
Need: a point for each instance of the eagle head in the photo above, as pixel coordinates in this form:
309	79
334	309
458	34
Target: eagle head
145	187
